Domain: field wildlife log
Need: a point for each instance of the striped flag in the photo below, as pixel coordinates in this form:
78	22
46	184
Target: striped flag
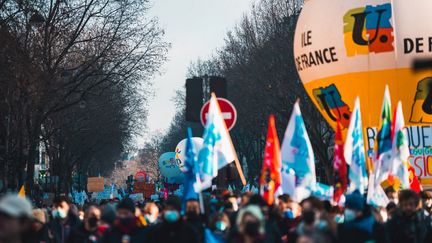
354	152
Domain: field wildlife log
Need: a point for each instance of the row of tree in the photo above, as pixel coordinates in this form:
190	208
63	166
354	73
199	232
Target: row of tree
258	62
74	81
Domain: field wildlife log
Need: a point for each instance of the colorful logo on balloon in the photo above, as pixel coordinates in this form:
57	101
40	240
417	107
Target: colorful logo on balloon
421	111
330	100
368	29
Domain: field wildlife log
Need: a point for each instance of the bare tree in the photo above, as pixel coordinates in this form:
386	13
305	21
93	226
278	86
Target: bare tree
76	50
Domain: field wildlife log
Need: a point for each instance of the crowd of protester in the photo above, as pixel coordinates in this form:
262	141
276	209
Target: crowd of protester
244	218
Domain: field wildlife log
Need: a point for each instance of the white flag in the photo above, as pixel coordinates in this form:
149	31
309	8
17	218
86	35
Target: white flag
217	150
297	155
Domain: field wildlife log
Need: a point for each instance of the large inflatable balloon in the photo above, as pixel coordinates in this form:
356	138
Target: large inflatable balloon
181	151
169	168
349	48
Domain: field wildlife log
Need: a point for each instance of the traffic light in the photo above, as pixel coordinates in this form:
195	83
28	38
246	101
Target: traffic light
194	99
218	85
130	184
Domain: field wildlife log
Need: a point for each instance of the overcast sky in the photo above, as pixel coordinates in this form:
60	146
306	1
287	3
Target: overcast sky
195	28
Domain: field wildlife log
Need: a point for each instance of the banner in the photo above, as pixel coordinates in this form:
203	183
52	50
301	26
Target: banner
420	143
95	184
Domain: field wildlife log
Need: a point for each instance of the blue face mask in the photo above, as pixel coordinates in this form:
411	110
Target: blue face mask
60	214
289	214
322	225
220	226
339	219
349	215
171	216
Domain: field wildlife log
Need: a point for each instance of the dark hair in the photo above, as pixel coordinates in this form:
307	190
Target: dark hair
192	200
405	195
127	204
327	206
285	198
425	195
257	200
58	200
389	189
314	201
391	206
174	202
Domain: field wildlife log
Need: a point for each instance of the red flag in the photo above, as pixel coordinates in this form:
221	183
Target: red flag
414	182
270	179
339	165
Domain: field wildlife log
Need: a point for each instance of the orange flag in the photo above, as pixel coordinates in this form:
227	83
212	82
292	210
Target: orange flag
21	192
270	179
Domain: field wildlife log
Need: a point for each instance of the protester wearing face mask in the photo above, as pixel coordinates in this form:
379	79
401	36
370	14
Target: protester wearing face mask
409	223
250	225
287	219
126	227
63	220
173	229
310	219
392	194
218	229
359	224
426	198
15	219
40	232
87	232
194	218
151	213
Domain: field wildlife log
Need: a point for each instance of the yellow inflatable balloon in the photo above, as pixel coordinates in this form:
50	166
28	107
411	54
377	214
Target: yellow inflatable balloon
349	48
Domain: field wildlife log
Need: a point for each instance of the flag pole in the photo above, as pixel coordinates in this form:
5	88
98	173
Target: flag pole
236	160
200	197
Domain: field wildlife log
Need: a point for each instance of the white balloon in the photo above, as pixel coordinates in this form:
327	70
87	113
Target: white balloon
181	153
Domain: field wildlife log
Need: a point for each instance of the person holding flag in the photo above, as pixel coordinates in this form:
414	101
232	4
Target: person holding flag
339	166
298	160
272	164
354	152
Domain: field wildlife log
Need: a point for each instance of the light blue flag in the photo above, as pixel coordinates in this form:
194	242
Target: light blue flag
191	168
323	191
298	160
217	150
354	152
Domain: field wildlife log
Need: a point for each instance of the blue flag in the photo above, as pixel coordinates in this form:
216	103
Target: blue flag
191	168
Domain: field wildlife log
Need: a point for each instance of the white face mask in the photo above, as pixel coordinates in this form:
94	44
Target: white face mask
428	203
150	218
349	215
384	215
395	200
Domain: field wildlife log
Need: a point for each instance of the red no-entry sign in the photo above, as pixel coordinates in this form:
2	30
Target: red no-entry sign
229	112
